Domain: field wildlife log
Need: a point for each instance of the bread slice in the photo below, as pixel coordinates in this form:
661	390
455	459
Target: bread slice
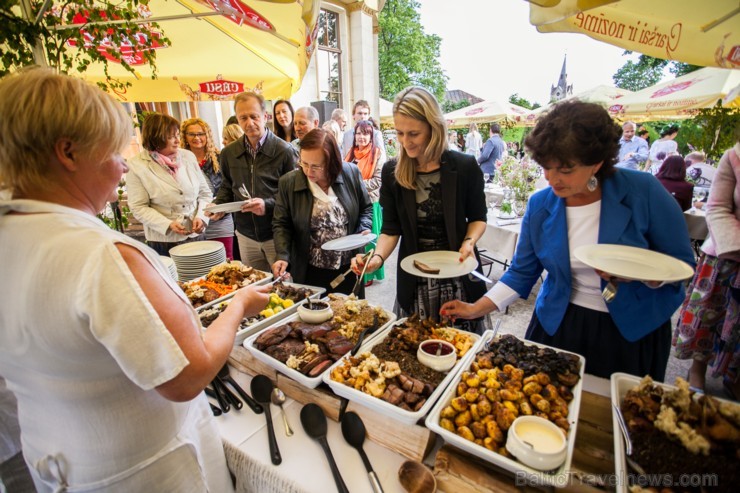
425	268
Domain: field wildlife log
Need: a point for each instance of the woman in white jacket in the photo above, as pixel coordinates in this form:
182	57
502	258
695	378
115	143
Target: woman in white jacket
166	188
473	141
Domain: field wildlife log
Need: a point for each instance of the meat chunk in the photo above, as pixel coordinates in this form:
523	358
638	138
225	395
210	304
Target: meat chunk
272	337
289	347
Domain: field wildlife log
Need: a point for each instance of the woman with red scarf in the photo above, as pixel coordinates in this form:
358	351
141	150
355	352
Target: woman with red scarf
366	155
199	140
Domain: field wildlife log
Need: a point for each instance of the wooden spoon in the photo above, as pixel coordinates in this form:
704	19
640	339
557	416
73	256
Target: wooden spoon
415	477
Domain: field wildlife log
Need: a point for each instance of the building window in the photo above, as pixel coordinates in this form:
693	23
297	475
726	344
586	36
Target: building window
328	57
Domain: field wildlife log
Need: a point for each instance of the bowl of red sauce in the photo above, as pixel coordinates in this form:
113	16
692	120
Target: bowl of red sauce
437	355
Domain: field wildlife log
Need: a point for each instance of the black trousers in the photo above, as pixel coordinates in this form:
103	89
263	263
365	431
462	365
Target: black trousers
594	335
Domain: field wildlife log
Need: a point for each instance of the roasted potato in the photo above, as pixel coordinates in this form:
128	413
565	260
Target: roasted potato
465	432
463	419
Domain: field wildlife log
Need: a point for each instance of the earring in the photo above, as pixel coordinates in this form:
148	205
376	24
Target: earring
593	182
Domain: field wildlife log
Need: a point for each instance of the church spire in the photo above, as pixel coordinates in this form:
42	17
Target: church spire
562	89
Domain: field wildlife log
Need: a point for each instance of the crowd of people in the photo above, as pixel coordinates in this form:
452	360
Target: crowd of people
117	333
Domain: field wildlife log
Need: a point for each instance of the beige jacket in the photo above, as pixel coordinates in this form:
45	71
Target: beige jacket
723	208
156	198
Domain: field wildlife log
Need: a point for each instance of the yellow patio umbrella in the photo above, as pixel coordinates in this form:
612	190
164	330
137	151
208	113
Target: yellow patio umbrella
705	33
602	94
256	45
489	111
681	97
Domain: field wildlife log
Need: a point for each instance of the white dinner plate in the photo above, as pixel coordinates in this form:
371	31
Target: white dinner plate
195	249
228	207
637	264
350	242
447	262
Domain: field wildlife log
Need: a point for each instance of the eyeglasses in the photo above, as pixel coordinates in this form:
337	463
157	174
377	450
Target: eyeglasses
311	167
192	135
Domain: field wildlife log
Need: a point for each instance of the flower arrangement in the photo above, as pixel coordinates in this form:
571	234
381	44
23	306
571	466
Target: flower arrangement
518	178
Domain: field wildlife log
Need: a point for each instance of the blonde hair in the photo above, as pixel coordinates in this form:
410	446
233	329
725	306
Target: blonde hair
420	104
473	127
232	132
211	151
332	127
39	107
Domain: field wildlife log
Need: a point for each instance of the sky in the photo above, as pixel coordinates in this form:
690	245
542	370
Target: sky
490	50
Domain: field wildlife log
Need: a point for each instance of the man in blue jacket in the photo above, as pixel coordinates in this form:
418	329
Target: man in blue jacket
492	151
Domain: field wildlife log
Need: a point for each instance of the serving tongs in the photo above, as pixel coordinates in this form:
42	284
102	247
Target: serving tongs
366	261
627	441
340	278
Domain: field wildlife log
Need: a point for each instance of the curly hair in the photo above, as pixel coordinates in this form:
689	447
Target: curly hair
211	150
575	133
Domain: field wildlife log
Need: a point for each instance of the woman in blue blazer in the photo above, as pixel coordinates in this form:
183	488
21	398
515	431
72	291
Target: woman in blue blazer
590	201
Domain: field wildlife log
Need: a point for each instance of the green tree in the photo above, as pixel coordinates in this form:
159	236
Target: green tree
71	36
448	106
524	103
647	71
406	54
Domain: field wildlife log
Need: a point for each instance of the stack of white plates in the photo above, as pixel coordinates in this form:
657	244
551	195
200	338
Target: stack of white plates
170	264
197	258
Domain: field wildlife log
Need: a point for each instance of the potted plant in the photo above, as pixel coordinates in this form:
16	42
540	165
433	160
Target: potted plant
517	178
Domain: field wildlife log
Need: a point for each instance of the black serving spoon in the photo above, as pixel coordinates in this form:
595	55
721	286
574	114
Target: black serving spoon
261	390
225	377
361	339
313	420
354	433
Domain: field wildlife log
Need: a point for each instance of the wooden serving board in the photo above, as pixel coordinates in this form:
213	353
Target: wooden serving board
412	441
241	359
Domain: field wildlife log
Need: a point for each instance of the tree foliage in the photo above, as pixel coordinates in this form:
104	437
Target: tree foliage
449	106
648	71
406	54
74	35
524	103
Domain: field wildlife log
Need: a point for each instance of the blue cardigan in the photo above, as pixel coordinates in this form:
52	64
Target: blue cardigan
635	210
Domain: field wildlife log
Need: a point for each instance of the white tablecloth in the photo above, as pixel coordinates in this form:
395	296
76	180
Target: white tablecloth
304	468
500	237
696	220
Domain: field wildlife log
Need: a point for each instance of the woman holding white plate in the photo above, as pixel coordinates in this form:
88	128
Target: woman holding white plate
591	202
432	200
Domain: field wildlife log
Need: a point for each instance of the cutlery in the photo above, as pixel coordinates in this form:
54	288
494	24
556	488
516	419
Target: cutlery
366	331
215	410
496	326
261	390
354	433
222	402
224	375
358	282
340	278
415	477
278	398
279	278
227	393
480	276
609	292
244	192
627	441
313	420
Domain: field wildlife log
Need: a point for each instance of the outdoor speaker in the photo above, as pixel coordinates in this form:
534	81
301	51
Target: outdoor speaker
324	108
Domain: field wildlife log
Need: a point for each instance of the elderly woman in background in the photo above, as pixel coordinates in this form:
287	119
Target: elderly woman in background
109	375
282	118
167	191
672	176
366	156
432	199
591	202
231	133
199	140
708	329
323	200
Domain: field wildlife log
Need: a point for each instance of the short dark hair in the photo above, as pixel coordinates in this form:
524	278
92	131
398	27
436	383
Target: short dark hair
669	130
360	104
495	128
318	138
156	129
573	133
673	168
243	96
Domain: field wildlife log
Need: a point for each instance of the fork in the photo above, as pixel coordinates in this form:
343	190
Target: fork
244	192
609	292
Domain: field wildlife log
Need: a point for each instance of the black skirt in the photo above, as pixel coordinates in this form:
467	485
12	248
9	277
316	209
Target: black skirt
594	335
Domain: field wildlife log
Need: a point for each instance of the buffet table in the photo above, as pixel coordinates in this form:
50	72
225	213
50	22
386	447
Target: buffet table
305	470
501	236
696	221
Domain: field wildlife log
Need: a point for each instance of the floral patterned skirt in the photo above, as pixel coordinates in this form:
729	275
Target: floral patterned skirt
708	326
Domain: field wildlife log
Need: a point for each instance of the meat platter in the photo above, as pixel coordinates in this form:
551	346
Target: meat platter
221	282
708	426
526	366
397	385
285	290
310	349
